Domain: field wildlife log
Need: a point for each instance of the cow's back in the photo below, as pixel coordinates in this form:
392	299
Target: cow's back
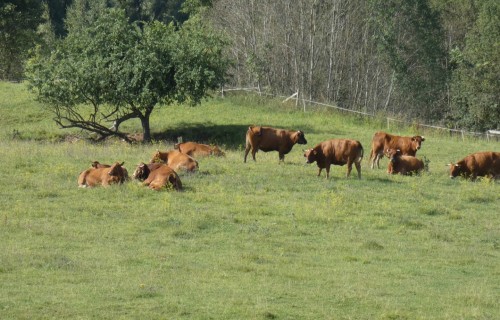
484	163
339	151
178	160
265	138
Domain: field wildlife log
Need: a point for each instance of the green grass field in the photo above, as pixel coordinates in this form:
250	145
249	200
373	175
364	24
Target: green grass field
259	240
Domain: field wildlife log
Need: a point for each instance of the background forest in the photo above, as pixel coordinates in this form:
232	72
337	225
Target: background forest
425	60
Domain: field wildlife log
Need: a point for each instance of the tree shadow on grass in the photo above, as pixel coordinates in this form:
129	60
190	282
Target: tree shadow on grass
232	136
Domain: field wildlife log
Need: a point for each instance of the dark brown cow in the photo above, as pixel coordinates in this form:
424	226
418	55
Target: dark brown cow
270	139
479	164
157	176
405	165
195	150
382	141
176	160
337	152
102	176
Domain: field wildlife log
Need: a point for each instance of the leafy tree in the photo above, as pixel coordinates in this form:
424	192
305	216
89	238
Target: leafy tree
410	37
476	82
19	20
111	71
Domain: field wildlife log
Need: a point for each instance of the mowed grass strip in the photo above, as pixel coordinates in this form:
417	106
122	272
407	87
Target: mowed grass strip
259	240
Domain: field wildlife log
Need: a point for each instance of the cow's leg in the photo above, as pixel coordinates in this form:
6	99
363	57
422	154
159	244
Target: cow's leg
349	167
358	168
254	151
327	167
319	171
372	159
282	157
247	149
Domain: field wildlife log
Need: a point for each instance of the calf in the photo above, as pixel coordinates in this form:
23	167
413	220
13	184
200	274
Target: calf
175	160
270	139
405	165
157	176
479	164
195	150
103	176
337	152
382	141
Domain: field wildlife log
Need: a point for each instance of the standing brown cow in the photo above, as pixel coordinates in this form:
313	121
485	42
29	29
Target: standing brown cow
176	160
382	141
477	164
104	176
337	152
405	165
157	176
270	139
195	150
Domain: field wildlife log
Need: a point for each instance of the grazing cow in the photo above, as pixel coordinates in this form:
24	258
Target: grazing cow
196	150
477	164
270	139
405	165
176	160
337	152
103	176
382	141
157	176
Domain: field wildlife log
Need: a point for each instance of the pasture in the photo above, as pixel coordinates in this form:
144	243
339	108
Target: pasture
259	240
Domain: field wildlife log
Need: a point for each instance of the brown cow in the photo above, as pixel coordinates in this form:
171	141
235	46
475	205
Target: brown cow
382	141
337	152
270	139
96	164
175	160
405	165
104	176
157	176
477	164
195	150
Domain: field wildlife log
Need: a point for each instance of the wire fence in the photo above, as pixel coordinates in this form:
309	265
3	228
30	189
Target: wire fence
489	135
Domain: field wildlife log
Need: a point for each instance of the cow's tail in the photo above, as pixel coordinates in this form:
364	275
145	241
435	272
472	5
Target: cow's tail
361	152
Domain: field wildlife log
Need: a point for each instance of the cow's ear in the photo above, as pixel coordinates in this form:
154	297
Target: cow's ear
423	139
457	165
123	162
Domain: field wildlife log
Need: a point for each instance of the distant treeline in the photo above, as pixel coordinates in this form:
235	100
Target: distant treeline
425	60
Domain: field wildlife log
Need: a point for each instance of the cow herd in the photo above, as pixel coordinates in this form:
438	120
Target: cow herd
161	171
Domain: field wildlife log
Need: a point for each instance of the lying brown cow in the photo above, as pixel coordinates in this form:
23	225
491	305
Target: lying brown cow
382	141
175	160
157	176
96	164
103	176
337	152
405	165
195	150
270	139
479	164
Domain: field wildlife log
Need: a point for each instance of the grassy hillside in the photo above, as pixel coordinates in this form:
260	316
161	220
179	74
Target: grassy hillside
259	240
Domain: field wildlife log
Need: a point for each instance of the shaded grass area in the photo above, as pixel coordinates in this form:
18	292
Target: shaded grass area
245	241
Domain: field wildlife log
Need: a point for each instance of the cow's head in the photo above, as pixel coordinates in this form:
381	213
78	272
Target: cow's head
141	172
159	156
216	151
116	169
393	154
455	170
310	155
300	137
417	141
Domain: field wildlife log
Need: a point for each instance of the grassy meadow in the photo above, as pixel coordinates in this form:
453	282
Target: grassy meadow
255	240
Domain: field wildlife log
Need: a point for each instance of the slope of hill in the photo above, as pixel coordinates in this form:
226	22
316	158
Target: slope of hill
259	240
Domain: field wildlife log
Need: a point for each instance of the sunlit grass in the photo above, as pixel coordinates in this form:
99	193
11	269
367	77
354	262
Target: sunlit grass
259	240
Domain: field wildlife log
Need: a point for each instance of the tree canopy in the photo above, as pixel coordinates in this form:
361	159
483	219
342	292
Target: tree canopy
111	70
